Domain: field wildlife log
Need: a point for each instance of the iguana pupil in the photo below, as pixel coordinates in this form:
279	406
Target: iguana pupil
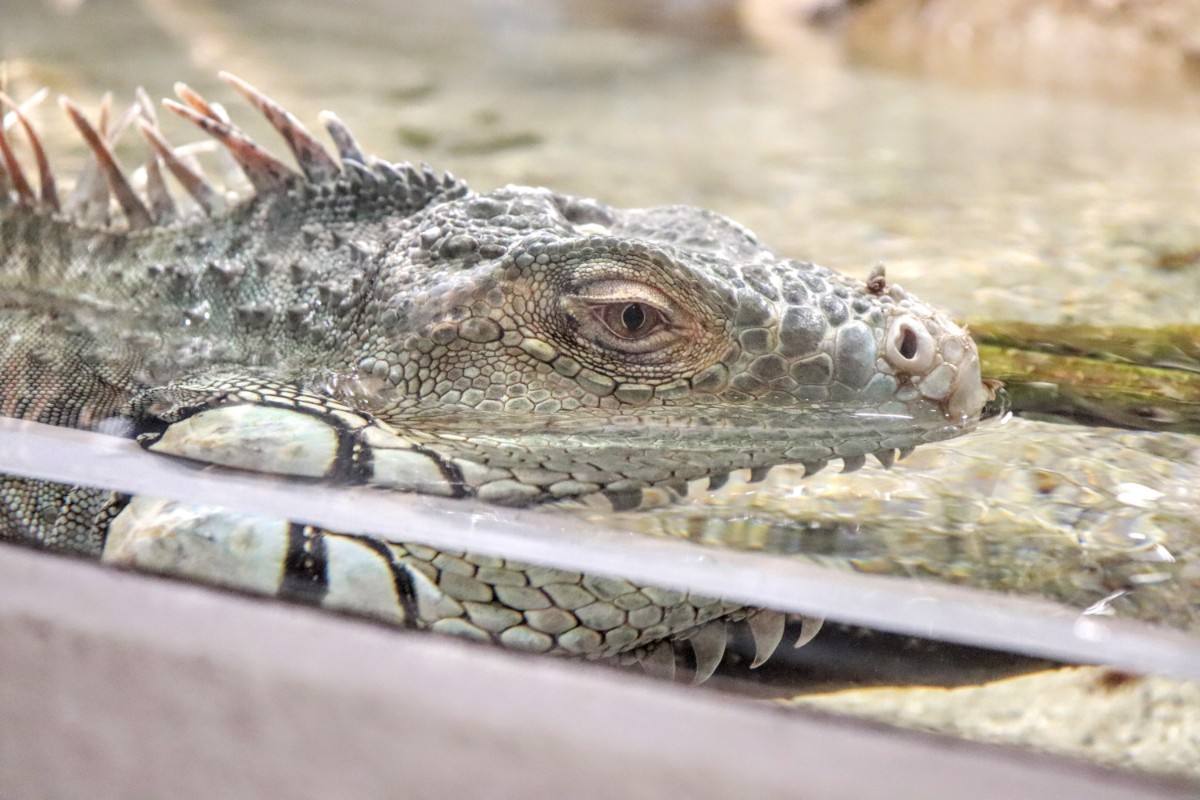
633	317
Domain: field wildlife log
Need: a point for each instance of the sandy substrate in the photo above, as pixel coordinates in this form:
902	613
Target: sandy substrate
1107	717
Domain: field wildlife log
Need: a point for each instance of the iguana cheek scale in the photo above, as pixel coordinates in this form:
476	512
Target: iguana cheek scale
364	322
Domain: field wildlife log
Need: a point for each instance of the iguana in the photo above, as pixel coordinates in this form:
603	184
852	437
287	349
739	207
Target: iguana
364	322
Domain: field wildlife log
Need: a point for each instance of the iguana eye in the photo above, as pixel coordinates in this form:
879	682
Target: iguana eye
630	320
624	318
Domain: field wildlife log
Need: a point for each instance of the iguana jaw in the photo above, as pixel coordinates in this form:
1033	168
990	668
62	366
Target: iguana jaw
547	457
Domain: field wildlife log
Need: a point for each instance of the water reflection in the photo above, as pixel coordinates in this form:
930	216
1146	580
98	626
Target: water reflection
1064	519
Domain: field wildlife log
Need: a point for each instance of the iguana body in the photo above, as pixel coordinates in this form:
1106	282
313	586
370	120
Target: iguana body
380	324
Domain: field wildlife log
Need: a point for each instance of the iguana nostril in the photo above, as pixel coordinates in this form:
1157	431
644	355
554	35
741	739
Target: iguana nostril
910	346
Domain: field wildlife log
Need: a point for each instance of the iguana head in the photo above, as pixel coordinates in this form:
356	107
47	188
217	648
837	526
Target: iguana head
595	348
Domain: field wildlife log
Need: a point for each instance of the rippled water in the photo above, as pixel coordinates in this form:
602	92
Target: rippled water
997	204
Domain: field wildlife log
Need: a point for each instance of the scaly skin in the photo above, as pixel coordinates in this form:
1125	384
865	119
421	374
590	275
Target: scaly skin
380	324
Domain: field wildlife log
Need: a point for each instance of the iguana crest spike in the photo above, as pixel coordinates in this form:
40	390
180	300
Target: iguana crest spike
309	153
13	170
104	181
192	181
136	213
265	172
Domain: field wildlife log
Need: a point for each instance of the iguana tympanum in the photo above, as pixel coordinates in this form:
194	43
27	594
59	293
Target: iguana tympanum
364	322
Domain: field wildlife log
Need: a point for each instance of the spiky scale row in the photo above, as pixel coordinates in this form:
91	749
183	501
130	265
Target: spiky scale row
709	642
104	181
